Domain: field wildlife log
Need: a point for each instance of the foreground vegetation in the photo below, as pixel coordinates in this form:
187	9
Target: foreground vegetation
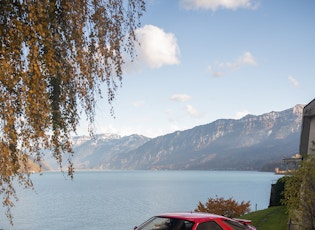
275	217
299	193
269	219
296	192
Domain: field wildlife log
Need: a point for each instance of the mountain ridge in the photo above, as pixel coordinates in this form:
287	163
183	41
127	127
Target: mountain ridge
249	143
210	146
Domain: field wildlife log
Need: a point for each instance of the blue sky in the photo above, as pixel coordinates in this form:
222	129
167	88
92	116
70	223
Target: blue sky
203	60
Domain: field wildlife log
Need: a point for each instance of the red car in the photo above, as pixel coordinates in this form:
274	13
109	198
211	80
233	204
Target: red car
194	221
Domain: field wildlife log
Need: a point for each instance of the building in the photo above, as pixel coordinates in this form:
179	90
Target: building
307	147
308	129
290	164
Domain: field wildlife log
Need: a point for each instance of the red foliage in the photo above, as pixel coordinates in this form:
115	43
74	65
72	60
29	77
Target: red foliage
220	206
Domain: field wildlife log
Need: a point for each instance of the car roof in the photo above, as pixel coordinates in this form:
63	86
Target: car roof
192	216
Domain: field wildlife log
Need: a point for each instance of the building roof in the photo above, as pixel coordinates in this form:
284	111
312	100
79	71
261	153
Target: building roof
309	109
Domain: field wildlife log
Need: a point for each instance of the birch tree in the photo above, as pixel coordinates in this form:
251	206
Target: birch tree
54	56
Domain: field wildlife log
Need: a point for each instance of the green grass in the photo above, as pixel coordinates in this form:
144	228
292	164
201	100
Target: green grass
269	219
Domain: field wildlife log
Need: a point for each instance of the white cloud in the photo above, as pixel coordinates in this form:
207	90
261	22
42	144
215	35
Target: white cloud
245	59
192	111
180	97
214	73
294	82
216	4
157	48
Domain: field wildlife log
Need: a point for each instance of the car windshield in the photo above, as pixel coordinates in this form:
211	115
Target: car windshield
164	223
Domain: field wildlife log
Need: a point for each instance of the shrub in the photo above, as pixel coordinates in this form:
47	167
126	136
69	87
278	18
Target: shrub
224	207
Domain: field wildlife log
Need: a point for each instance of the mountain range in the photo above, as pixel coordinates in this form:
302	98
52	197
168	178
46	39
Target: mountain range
254	142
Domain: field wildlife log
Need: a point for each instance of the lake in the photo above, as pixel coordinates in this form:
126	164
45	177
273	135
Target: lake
118	200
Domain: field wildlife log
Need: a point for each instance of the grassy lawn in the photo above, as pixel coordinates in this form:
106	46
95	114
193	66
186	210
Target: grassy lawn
269	219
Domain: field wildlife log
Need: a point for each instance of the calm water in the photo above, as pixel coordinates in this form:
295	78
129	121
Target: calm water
117	200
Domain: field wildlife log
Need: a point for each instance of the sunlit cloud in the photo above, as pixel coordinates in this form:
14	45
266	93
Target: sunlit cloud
217	4
246	59
220	68
214	73
157	48
192	111
294	82
180	97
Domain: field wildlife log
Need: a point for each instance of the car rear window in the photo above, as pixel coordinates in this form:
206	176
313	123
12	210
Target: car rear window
236	225
209	225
